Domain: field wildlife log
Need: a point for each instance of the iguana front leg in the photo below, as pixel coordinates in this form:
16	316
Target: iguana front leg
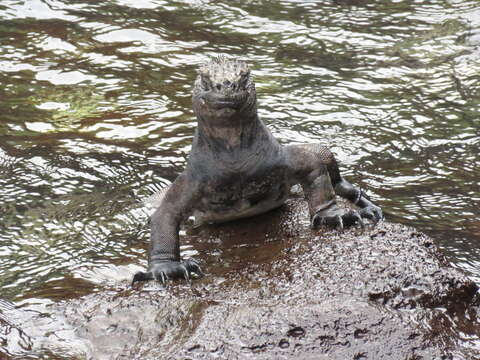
316	169
346	190
164	256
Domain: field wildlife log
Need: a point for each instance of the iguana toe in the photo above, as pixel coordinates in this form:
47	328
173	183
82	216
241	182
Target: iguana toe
193	267
142	276
373	213
358	219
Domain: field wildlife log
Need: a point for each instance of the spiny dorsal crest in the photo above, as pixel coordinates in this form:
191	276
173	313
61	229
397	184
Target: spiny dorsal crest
220	70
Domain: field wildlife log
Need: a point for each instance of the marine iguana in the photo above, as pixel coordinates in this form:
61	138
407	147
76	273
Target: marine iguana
237	169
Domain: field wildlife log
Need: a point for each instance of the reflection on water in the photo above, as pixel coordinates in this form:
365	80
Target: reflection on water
95	116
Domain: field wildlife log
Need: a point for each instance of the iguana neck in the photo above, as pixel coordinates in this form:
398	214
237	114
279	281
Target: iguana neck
232	138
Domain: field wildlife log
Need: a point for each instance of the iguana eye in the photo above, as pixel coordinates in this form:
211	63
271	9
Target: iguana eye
244	77
205	82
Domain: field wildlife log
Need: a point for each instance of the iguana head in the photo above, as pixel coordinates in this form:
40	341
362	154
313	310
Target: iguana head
224	93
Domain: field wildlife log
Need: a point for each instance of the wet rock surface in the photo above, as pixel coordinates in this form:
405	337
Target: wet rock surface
379	293
274	289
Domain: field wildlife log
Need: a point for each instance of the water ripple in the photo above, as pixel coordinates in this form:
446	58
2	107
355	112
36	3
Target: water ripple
96	114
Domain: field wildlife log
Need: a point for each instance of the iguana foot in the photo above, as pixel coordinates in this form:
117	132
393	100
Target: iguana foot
168	270
372	212
346	219
332	215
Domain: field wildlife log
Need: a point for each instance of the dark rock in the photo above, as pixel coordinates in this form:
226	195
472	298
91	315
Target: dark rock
285	292
383	293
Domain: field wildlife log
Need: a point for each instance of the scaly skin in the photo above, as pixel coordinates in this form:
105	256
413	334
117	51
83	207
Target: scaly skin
237	169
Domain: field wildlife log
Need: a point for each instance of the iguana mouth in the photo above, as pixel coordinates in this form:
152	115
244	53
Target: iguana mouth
226	103
218	101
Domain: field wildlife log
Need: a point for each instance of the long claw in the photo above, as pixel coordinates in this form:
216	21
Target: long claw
379	212
199	271
163	278
186	274
359	219
141	276
340	222
317	221
376	216
193	266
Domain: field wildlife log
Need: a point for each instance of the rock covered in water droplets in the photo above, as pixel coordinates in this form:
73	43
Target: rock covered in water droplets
384	293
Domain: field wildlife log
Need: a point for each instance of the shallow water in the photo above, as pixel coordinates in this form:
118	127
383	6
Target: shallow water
96	115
